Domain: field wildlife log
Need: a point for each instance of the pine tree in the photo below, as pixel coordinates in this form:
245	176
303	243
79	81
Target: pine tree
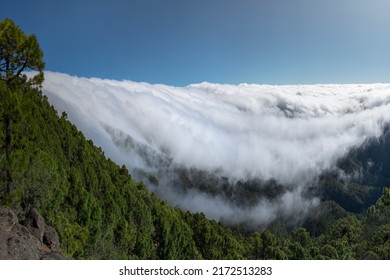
19	52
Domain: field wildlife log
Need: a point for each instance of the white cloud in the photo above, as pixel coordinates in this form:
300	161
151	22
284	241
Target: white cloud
289	133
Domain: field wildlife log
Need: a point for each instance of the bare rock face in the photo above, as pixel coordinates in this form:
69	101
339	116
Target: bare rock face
32	241
38	228
51	239
7	219
35	223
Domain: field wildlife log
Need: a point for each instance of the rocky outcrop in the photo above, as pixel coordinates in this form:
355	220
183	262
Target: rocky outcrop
31	241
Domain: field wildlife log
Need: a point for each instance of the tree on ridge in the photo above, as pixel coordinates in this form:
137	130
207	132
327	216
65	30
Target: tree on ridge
19	52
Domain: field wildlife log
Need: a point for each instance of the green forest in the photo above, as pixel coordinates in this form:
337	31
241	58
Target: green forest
101	212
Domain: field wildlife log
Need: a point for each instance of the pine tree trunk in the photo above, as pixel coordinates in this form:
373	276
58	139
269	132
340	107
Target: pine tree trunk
7	122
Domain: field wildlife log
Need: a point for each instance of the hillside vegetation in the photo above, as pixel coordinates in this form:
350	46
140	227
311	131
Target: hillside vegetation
101	212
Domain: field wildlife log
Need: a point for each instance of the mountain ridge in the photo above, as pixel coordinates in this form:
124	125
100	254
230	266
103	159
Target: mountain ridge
100	212
288	135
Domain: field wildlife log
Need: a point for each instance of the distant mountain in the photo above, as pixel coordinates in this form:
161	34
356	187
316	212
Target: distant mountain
245	154
370	163
101	212
98	210
358	179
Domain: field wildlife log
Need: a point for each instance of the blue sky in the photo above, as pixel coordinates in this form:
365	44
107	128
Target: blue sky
179	42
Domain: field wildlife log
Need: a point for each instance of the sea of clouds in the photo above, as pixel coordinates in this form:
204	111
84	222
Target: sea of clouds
288	133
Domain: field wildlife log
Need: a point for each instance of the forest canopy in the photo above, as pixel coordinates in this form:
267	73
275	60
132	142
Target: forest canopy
101	212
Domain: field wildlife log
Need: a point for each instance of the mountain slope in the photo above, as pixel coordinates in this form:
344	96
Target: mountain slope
239	153
100	212
97	208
